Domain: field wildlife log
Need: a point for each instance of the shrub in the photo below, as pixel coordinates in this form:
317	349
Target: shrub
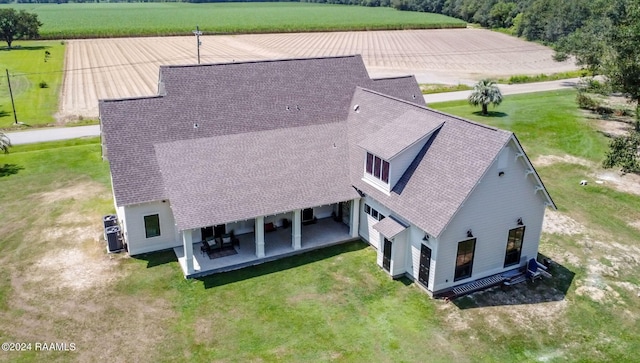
43	84
586	102
623	152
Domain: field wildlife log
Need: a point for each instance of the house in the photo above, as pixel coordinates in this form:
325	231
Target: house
298	154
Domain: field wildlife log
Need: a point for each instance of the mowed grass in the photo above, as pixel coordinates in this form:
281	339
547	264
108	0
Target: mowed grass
157	19
27	69
545	123
333	304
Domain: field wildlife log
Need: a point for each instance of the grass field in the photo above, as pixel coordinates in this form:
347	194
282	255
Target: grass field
57	284
27	69
156	19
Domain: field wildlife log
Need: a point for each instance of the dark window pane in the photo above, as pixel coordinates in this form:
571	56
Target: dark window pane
376	167
385	171
374	213
367	209
369	163
514	246
464	259
152	225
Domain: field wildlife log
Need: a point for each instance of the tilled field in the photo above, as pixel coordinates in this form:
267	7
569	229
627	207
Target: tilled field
128	67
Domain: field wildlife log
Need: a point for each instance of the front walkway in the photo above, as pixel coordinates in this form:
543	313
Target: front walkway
325	232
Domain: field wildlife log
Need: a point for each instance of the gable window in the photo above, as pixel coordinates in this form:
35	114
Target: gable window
464	259
377	167
514	246
152	225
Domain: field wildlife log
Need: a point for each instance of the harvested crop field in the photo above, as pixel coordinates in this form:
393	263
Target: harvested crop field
116	68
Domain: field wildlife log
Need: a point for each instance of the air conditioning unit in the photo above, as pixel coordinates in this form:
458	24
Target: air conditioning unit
114	240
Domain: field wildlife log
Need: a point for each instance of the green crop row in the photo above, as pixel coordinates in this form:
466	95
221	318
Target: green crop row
84	20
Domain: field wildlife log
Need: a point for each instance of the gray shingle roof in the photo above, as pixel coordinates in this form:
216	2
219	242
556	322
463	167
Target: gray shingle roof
235	177
400	133
226	99
443	174
389	227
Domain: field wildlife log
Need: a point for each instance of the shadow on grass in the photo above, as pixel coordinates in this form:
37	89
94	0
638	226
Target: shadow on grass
280	265
157	258
4	113
545	290
491	114
9	169
18	48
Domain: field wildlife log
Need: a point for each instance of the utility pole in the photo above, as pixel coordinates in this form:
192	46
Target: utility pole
198	33
13	105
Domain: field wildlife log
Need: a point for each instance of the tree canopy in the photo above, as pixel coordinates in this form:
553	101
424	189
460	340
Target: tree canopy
484	93
18	25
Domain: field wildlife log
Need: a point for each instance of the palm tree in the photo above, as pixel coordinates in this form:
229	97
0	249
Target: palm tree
5	143
485	92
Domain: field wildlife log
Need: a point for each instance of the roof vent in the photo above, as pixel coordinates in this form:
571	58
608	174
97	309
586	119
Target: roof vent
414	96
288	108
356	108
298	107
195	125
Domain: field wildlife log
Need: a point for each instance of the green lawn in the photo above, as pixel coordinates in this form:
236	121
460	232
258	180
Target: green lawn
546	123
27	69
334	304
152	19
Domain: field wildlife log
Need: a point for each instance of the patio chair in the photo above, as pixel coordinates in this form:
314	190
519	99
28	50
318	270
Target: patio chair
205	248
536	270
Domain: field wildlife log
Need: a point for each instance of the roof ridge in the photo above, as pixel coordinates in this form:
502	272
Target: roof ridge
434	110
256	61
469	121
393	77
129	98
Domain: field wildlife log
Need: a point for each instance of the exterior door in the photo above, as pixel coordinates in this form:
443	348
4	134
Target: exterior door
425	264
386	257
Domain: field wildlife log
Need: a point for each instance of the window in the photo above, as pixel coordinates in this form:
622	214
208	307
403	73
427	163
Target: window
377	167
464	259
372	212
152	225
514	246
369	163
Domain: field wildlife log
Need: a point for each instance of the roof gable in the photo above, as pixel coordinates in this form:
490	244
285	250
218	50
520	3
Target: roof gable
443	173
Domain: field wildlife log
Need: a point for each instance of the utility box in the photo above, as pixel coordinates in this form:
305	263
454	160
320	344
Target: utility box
110	220
114	242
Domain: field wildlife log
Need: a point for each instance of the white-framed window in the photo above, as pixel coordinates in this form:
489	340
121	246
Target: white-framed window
377	167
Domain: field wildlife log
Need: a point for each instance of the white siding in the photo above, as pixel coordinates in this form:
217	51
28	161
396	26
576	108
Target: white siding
399	164
366	222
135	232
490	212
399	254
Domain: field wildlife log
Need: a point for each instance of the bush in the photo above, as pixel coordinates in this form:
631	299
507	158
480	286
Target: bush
591	85
623	152
43	84
586	102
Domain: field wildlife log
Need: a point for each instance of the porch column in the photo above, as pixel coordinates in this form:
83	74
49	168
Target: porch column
259	236
354	226
296	231
187	242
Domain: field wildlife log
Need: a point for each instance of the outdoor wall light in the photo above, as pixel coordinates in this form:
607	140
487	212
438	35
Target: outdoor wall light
520	222
426	237
469	234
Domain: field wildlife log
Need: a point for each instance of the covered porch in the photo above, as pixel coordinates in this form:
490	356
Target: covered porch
328	227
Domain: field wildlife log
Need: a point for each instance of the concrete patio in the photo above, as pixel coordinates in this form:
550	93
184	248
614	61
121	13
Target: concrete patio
325	232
